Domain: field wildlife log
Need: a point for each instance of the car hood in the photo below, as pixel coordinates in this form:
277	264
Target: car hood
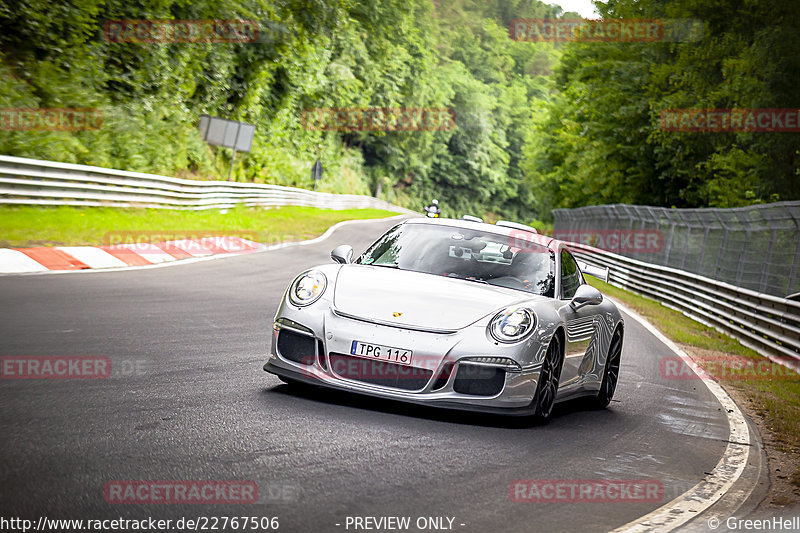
416	300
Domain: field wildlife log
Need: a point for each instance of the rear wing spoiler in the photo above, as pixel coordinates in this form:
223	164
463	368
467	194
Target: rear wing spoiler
600	273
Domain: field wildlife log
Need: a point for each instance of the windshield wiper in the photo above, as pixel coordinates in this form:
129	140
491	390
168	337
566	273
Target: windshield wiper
474	280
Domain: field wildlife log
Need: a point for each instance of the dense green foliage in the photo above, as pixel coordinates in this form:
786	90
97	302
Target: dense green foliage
538	125
599	140
310	54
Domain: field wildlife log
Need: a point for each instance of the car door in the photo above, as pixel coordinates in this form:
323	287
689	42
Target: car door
581	324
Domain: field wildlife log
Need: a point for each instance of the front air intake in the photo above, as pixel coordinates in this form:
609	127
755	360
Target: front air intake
379	373
479	380
296	347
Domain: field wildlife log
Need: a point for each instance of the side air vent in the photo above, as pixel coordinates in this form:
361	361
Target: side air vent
444	377
323	362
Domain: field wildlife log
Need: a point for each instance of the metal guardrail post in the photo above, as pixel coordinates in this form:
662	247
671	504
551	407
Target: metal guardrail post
740	266
668	245
688	231
768	262
723	249
703	248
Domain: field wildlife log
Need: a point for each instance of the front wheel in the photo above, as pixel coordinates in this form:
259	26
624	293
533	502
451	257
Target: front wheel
547	386
611	371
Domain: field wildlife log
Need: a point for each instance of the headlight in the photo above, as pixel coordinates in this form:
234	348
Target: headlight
512	324
307	288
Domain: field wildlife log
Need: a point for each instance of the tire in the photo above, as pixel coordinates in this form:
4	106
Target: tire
610	372
547	386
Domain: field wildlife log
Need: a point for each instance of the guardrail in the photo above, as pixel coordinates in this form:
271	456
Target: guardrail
31	181
757	246
768	324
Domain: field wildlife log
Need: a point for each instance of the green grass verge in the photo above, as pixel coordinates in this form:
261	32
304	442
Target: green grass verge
774	394
26	226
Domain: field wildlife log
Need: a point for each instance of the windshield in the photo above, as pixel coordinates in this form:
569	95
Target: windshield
471	255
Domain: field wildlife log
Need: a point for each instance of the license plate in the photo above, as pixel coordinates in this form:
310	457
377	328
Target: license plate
381	353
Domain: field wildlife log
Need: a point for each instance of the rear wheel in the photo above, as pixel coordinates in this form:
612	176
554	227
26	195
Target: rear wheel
611	371
547	386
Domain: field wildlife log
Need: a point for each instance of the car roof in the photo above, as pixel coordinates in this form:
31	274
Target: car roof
543	240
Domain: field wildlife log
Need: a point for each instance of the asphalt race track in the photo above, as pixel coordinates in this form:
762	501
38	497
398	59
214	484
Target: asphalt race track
188	400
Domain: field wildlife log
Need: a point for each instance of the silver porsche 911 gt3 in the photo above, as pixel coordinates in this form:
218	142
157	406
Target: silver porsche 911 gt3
453	313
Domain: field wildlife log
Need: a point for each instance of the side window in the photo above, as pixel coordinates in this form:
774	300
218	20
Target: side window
571	277
384	250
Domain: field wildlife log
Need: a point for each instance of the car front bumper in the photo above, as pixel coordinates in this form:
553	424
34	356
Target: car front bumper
442	354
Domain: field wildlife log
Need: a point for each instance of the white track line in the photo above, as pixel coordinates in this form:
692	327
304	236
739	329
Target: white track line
691	503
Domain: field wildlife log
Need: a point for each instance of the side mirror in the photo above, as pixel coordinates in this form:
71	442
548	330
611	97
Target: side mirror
585	295
600	273
343	254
